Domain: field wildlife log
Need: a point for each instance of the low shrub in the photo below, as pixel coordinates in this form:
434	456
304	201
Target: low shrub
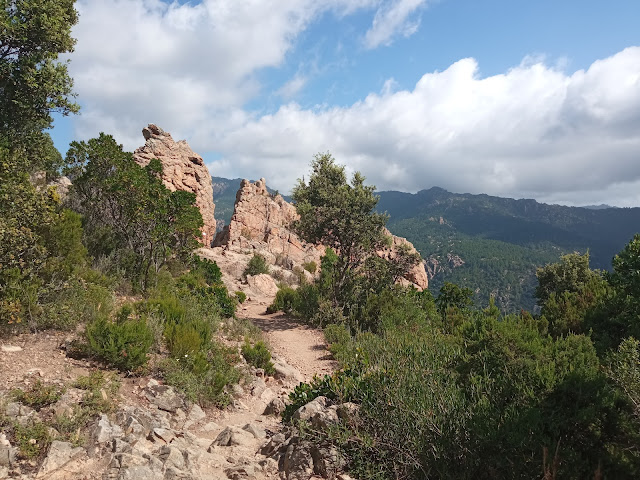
285	301
38	395
256	266
203	378
123	345
241	296
310	267
207	268
259	356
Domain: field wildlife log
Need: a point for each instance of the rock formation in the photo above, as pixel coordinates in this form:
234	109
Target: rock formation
182	169
261	222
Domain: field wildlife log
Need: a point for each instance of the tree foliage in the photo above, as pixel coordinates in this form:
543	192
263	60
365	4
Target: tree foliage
128	209
341	216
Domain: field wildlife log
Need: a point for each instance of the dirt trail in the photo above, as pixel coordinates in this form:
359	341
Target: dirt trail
301	346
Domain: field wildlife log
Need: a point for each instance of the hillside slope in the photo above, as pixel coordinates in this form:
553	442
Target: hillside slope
494	244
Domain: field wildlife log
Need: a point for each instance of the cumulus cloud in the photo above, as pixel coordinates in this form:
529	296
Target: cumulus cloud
393	19
534	131
189	67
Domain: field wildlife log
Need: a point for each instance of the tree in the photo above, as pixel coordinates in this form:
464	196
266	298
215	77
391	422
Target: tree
128	211
33	83
341	216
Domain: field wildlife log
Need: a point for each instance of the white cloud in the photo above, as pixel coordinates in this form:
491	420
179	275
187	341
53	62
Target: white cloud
532	131
393	19
293	86
188	67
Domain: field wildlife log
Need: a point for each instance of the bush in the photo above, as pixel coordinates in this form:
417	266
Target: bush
38	395
256	266
285	301
123	345
188	338
208	269
241	296
310	267
203	377
259	356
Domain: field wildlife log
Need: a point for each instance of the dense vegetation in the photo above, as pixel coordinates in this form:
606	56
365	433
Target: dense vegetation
448	390
502	241
115	252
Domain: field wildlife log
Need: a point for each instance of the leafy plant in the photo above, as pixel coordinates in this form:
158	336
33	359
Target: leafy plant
257	265
241	296
38	395
259	356
124	345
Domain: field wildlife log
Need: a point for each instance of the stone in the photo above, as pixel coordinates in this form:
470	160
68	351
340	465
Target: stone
140	472
306	412
256	431
7	455
231	436
11	348
196	413
210	427
275	407
347	410
258	387
240	471
286	372
273	445
261	221
164	397
60	453
171	457
327	461
263	284
17	410
182	169
162	435
325	418
105	431
297	462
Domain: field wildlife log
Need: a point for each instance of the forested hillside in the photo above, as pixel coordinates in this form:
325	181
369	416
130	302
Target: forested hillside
493	245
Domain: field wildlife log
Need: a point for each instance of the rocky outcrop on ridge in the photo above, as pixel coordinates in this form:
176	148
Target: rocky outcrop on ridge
261	222
182	169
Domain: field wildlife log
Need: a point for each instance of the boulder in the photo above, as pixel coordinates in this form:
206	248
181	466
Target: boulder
306	412
275	407
164	397
263	284
60	453
231	436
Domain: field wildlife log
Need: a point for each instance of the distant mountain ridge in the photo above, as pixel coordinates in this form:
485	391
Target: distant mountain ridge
501	241
490	244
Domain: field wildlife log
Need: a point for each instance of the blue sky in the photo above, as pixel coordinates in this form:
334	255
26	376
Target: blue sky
524	99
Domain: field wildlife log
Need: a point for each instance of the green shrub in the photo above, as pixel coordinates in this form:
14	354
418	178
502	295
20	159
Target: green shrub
338	338
203	378
241	296
259	356
256	266
123	345
38	395
310	267
188	338
32	439
285	301
326	314
208	269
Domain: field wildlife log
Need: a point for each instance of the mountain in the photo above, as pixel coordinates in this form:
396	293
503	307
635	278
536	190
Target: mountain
494	244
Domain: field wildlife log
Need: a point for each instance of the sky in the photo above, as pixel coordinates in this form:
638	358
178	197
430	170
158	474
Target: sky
510	98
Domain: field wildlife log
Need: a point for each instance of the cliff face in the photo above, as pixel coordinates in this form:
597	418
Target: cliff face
262	222
183	169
